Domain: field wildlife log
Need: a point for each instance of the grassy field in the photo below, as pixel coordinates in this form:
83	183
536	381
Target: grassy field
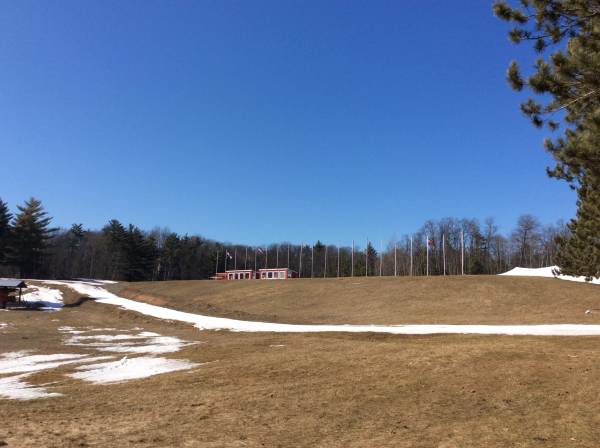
387	300
327	390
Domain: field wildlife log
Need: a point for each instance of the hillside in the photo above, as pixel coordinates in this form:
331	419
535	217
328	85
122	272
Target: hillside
386	300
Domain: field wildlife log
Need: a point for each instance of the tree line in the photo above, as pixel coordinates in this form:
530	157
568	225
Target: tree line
31	248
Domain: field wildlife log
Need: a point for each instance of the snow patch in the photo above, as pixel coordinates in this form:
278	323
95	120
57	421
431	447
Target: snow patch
47	298
22	362
547	272
14	388
129	369
143	342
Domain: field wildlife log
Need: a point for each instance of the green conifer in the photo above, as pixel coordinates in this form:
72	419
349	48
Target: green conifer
567	83
5	230
29	239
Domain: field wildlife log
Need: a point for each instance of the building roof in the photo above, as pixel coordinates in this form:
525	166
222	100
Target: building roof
276	269
12	283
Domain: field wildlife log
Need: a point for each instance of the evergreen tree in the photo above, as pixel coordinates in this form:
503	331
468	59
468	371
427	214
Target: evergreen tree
114	236
30	237
5	230
139	254
372	257
569	78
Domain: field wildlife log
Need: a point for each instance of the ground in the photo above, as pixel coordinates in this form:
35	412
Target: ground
330	390
375	300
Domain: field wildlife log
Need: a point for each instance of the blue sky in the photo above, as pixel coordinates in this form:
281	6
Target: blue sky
264	121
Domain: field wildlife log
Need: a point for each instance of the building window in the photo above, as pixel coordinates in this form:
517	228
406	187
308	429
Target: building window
270	275
230	276
247	275
281	274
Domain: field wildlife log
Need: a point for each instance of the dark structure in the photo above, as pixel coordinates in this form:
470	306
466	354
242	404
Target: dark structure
7	286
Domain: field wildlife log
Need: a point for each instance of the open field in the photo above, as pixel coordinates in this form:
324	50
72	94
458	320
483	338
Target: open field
329	390
385	301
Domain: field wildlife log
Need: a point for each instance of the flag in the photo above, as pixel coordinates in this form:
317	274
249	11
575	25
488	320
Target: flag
259	250
228	255
431	242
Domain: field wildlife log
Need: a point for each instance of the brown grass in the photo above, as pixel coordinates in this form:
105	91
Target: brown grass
387	300
325	390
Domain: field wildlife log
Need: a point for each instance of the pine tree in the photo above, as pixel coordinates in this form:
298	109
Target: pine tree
114	236
139	254
570	78
5	230
30	237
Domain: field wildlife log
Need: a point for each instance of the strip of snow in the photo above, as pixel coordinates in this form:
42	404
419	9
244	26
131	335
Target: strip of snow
129	369
547	272
21	362
220	323
14	388
48	298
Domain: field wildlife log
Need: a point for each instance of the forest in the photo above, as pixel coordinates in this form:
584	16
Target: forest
31	248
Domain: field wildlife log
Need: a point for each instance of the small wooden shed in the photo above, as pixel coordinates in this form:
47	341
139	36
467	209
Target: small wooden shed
7	286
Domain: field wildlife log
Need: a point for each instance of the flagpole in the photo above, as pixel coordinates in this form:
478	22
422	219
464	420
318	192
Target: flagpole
277	256
381	258
255	265
300	263
395	258
235	259
246	259
338	262
266	257
367	259
427	250
312	261
411	255
217	264
226	253
462	252
288	263
352	261
444	251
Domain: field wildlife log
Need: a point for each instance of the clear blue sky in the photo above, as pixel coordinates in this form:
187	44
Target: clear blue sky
263	121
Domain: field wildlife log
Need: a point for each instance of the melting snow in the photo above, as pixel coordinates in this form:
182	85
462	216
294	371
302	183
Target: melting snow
129	369
143	342
547	272
21	362
14	388
48	298
220	323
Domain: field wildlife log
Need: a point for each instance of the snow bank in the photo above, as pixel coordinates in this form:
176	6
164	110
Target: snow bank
129	369
547	272
220	323
14	388
48	298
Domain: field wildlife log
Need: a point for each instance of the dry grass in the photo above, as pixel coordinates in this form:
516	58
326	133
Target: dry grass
387	300
326	390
